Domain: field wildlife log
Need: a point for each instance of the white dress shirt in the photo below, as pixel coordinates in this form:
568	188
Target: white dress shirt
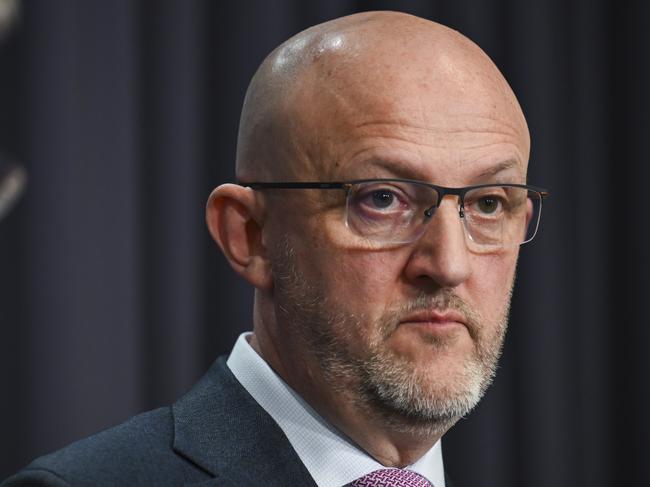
331	459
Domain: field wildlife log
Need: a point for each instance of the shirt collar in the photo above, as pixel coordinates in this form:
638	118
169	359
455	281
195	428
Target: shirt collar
331	459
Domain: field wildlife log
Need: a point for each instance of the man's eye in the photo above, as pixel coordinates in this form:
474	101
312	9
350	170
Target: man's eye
488	205
382	198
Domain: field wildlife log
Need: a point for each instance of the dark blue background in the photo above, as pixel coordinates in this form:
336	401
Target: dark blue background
114	299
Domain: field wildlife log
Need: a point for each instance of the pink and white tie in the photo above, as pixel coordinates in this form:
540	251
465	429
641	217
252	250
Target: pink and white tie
391	477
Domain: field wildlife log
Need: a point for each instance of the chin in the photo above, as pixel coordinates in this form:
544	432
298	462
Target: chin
426	398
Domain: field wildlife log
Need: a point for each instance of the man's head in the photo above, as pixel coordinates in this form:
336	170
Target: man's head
407	332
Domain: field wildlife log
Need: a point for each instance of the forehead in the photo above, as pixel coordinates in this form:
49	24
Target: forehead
420	124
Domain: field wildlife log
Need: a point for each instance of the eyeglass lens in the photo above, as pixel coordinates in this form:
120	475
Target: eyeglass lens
397	212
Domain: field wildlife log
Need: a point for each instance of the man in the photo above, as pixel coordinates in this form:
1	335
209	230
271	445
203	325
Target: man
380	207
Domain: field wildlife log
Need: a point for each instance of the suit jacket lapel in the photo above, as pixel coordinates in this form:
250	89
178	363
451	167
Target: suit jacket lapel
220	428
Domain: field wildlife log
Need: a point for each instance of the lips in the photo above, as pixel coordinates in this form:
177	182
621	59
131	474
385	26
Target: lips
436	317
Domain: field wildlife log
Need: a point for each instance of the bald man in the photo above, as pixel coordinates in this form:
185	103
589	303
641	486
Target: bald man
380	206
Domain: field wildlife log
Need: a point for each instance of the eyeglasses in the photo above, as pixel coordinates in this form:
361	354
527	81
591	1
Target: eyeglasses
396	211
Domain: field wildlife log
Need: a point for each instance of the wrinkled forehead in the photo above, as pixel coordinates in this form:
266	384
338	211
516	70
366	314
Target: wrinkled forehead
399	91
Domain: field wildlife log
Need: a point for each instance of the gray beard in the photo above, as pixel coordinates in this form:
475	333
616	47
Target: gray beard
407	399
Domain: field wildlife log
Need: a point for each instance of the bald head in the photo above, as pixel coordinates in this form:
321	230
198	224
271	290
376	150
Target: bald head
323	82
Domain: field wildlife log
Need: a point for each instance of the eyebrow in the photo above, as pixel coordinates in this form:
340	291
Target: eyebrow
494	170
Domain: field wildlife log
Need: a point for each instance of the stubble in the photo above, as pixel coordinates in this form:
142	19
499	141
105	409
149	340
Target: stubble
408	397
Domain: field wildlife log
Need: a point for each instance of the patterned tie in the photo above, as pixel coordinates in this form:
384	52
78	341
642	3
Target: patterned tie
391	477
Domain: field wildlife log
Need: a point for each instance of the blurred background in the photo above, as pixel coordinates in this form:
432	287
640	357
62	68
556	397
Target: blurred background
122	115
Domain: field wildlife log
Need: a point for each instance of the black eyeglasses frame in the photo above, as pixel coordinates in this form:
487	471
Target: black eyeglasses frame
442	191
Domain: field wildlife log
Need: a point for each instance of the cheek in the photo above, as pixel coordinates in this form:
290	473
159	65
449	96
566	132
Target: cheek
356	278
359	284
490	283
365	279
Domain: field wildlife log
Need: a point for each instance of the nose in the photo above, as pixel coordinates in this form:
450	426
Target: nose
440	254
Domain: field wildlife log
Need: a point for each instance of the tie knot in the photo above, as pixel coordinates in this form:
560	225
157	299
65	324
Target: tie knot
391	477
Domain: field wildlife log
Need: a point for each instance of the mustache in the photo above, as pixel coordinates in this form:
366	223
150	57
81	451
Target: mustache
442	300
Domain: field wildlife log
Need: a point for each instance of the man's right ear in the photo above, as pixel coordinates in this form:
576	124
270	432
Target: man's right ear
235	217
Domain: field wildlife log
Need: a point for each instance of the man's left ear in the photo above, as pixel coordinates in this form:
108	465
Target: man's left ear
234	218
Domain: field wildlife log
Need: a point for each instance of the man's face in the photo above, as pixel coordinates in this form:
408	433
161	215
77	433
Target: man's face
413	331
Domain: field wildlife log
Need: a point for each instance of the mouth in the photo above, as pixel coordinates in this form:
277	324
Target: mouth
436	320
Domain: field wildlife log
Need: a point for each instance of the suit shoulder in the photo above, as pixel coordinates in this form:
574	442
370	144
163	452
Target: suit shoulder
35	477
137	452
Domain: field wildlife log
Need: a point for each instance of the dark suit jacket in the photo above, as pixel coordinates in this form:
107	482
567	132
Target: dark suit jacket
214	435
